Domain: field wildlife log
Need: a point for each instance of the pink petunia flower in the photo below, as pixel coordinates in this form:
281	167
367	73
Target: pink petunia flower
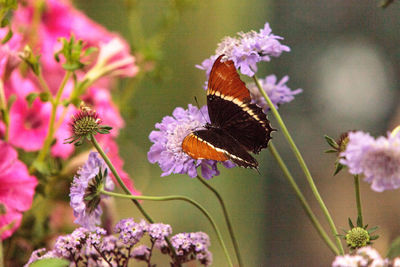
17	188
28	125
114	59
61	19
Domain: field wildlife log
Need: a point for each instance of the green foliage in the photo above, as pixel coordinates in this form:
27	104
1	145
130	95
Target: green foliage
51	262
394	249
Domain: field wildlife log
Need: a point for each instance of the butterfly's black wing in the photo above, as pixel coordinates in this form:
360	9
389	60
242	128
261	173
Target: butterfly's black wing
229	108
217	144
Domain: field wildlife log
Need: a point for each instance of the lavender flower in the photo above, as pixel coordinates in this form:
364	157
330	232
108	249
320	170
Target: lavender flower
378	160
349	261
87	216
277	91
158	231
190	246
167	148
363	257
140	253
129	231
95	237
247	50
68	246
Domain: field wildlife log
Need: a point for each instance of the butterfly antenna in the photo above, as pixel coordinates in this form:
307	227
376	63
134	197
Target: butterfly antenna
204	117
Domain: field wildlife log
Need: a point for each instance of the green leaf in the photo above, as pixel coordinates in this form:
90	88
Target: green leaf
44	96
394	249
30	98
373	229
331	142
338	168
8	36
50	262
330	151
351	224
374	237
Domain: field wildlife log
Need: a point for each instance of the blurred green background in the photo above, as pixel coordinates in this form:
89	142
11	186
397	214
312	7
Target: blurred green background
346	57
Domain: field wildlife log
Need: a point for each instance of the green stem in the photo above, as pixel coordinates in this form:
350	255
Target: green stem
50	133
358	198
4	110
227	220
118	178
126	190
1	254
184	198
302	164
44	85
302	199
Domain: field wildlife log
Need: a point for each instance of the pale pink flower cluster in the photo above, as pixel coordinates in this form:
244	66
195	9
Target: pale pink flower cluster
29	122
365	257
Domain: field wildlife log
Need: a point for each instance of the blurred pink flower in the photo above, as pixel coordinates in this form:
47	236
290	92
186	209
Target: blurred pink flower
100	100
114	59
111	148
17	188
9	59
60	149
61	19
28	125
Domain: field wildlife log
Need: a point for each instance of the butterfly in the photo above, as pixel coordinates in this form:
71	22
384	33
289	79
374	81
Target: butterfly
236	126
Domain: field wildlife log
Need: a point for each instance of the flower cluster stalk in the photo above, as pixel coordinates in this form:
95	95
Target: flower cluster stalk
227	220
310	214
358	198
184	198
51	130
126	190
302	164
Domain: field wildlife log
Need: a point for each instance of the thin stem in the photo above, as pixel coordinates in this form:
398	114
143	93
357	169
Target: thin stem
118	178
303	201
4	110
184	198
126	190
102	255
227	220
51	130
1	254
302	164
358	198
44	85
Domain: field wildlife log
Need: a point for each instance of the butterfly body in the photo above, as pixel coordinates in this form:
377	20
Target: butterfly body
237	126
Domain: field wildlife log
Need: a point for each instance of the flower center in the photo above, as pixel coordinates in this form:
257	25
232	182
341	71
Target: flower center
32	121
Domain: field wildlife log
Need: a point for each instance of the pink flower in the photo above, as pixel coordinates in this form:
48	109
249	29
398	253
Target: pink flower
60	149
9	59
111	149
28	125
114	59
100	100
17	188
61	19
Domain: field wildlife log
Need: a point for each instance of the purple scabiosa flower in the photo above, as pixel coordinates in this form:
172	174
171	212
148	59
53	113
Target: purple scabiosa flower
377	159
247	50
277	91
129	231
140	253
84	194
167	148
